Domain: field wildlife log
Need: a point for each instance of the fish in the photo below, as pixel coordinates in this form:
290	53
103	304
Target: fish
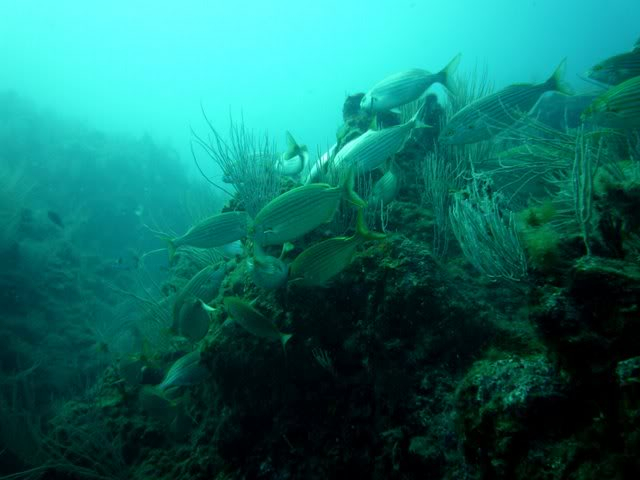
618	107
292	162
214	231
154	403
320	165
370	150
184	372
253	321
490	115
231	250
617	68
386	188
405	87
204	285
193	319
267	271
55	218
300	210
319	263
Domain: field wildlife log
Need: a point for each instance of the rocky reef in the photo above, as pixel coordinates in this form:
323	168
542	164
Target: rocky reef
406	365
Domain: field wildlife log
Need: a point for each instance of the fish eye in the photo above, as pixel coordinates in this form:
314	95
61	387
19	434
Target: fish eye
470	127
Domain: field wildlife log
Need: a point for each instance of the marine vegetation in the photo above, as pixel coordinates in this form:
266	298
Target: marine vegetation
449	291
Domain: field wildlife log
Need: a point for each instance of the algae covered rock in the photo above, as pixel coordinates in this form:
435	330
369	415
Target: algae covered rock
505	407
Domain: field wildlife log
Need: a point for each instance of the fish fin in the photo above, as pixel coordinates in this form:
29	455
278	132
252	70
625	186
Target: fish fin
207	308
416	120
292	147
284	338
163	236
397	111
171	246
350	194
286	248
363	232
305	157
556	81
447	72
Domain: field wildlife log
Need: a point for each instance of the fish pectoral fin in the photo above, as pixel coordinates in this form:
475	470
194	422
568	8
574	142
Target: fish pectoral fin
286	248
206	307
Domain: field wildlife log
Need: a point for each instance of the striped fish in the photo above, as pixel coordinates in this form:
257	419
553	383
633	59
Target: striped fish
490	115
185	371
203	286
253	321
370	150
300	210
319	263
618	68
320	165
404	87
214	231
386	189
267	271
194	319
618	107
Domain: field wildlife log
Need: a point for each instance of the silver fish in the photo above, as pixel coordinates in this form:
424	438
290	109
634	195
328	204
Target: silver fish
231	250
268	272
490	115
204	286
292	162
618	107
253	321
618	68
193	320
386	188
214	231
300	210
370	150
319	263
320	164
404	87
185	371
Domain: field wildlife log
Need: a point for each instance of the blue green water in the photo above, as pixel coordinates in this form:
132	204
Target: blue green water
414	304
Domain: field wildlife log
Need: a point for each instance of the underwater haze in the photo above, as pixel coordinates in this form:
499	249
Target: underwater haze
145	66
320	240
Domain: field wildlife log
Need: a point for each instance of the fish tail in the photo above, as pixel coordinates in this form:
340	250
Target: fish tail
446	74
556	81
363	232
293	149
284	338
349	193
417	120
163	236
292	146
